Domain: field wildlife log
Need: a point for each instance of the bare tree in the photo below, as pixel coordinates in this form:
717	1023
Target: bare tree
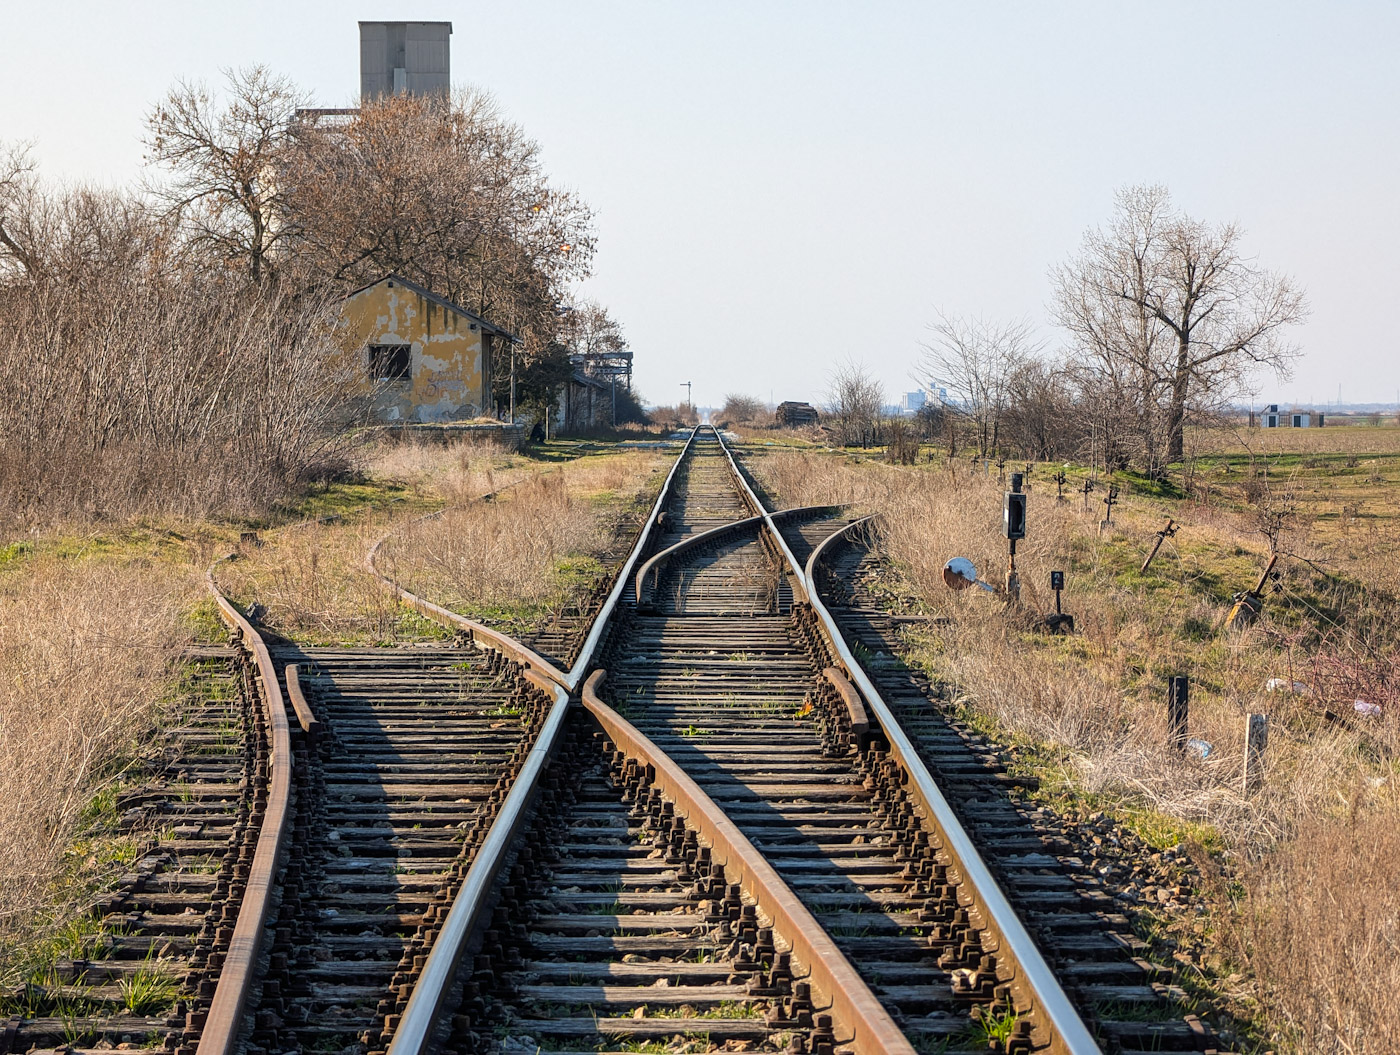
590	331
139	378
1040	420
450	195
1165	309
855	402
224	156
673	417
974	359
743	409
21	212
444	192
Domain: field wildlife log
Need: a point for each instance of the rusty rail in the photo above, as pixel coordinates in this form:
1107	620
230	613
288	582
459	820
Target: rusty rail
481	635
653	565
1060	1029
829	972
306	718
855	707
222	1027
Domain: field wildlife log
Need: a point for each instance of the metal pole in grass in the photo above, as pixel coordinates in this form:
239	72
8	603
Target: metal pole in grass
1178	703
1256	737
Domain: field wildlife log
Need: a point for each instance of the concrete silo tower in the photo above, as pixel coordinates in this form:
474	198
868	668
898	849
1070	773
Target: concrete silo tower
410	57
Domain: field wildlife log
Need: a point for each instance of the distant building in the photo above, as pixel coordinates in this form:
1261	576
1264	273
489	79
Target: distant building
413	57
585	403
913	401
424	358
1272	418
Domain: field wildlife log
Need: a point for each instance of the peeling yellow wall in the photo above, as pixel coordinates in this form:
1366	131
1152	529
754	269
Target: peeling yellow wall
447	379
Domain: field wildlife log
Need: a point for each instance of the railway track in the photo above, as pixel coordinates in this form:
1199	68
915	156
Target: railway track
732	844
1074	920
166	925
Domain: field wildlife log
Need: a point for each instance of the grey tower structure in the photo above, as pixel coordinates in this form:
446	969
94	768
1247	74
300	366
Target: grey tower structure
405	57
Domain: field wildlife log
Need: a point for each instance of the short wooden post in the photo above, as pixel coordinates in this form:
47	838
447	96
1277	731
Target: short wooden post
1178	701
1256	736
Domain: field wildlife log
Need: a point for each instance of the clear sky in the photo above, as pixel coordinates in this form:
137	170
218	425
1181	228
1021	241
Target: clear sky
780	185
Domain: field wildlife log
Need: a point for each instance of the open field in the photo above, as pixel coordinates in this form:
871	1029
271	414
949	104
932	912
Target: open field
1086	713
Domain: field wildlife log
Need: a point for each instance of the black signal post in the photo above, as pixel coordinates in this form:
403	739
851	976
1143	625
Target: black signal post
1013	517
1057	622
1109	502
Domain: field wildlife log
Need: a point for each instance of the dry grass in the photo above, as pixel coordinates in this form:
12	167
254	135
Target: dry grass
1321	931
512	559
309	575
1094	703
85	656
537	544
458	471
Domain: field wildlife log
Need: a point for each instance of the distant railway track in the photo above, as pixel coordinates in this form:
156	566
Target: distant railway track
731	841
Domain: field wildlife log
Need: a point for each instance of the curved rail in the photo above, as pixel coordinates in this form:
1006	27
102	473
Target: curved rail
481	635
829	972
220	1034
595	634
1035	983
414	1032
653	565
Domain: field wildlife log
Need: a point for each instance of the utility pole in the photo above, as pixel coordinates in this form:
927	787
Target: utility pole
687	394
512	383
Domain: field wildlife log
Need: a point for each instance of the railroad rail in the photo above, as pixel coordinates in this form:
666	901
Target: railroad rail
731	841
1060	897
166	925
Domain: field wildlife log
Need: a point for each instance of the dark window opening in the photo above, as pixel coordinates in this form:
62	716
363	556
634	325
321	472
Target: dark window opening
390	362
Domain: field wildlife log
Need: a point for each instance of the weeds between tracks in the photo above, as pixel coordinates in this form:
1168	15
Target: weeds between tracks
1307	915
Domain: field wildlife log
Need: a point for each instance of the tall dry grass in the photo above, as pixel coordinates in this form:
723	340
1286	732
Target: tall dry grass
309	575
1099	695
85	656
536	544
1320	929
459	470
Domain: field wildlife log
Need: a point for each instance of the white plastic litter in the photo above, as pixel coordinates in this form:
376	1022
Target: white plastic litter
1284	685
1363	707
1200	748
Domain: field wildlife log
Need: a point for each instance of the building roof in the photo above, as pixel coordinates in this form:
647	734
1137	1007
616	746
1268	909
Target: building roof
589	380
442	302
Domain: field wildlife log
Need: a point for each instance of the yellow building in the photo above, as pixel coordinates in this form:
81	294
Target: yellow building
425	358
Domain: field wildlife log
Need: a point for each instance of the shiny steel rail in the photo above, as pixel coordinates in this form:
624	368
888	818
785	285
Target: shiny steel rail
222	1028
1060	1028
415	1031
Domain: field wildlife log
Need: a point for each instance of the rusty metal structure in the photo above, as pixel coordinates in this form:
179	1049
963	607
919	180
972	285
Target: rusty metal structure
700	811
